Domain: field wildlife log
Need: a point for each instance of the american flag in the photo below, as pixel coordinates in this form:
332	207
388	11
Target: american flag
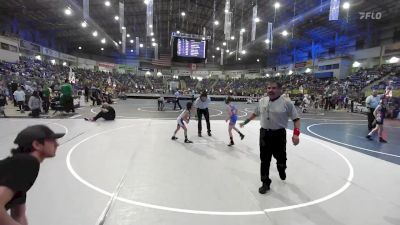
163	60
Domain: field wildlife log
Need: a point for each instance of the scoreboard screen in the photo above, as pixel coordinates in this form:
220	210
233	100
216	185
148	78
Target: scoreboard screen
191	48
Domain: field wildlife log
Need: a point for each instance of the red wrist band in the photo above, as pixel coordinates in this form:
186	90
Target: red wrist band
296	131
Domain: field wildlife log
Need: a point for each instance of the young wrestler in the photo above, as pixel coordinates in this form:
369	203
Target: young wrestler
232	117
379	114
184	116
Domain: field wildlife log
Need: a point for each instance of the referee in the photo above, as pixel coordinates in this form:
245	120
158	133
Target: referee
201	104
372	102
274	111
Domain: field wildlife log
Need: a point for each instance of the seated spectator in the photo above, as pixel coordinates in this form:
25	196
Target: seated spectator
107	112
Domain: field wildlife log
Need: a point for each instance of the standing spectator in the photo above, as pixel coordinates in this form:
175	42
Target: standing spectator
274	111
46	99
201	104
177	95
19	97
160	103
14	87
3	102
372	102
86	93
66	99
19	171
35	104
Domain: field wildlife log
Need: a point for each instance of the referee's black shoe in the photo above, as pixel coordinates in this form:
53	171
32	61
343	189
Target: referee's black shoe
264	188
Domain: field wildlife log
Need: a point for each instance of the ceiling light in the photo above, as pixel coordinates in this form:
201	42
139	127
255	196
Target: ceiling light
258	60
308	70
107	3
178	32
242	30
120	42
227	51
203	38
394	59
94	33
141	45
128	35
102	49
80	48
346	5
146	2
153	40
226	11
103	41
53	61
277	5
151	26
267	41
131	50
290	72
84	24
216	23
232	37
213	56
153	44
239	59
257	20
152	33
243	52
183	13
131	41
218	48
224	44
356	64
123	28
64	63
116	18
285	33
68	11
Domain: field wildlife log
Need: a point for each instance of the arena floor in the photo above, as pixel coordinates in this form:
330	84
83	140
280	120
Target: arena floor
129	172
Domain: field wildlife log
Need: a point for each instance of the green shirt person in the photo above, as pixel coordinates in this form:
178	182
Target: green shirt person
66	89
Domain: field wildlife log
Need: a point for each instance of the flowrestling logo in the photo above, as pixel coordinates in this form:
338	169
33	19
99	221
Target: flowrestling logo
370	15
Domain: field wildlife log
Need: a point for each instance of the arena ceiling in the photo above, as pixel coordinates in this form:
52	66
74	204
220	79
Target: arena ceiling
305	20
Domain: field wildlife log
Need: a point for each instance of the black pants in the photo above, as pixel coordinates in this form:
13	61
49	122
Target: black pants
69	104
104	115
46	104
204	112
371	118
21	106
35	113
160	105
272	143
177	102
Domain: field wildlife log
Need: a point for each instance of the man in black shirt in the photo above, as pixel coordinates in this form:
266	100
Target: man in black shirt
19	171
107	112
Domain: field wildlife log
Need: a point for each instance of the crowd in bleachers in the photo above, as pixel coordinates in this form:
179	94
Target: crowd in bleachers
34	75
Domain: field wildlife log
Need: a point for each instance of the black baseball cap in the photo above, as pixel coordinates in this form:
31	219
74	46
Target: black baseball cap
35	132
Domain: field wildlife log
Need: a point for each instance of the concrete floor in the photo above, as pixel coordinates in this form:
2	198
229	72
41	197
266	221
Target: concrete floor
130	172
